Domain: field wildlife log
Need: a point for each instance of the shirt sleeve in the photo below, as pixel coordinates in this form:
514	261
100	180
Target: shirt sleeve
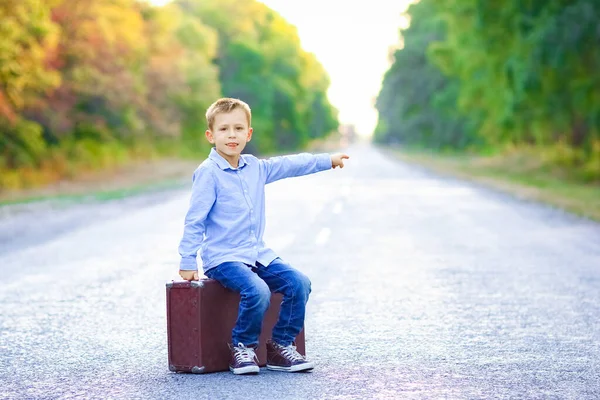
202	199
295	165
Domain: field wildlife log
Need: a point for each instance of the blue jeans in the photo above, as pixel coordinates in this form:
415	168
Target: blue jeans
255	284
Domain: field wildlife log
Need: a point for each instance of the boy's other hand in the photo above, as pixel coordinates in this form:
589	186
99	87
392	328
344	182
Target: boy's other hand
337	160
189	275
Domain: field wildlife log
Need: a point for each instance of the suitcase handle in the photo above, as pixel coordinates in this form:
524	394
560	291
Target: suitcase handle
183	283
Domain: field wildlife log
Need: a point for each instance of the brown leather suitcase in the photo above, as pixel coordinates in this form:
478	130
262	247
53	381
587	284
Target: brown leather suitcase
200	317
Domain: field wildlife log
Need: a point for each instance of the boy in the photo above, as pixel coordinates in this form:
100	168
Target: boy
226	221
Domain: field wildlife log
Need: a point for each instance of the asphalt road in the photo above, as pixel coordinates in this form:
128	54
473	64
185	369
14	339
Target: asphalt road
423	287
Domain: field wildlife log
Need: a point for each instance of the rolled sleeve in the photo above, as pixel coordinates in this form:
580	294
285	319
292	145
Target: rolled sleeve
188	263
323	162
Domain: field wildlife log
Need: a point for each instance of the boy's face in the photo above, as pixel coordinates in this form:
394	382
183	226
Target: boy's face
229	134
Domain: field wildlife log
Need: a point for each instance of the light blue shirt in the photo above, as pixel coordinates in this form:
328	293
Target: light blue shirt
226	218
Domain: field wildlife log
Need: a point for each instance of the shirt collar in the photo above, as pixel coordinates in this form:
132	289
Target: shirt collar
223	163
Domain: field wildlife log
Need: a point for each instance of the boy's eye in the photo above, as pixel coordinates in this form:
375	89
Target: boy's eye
239	128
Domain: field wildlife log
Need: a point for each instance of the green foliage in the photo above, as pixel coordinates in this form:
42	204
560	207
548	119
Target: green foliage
416	101
480	74
21	144
260	61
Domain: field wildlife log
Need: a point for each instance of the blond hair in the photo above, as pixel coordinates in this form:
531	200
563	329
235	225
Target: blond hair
225	105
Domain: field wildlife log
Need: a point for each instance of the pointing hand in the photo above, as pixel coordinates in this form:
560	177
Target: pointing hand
337	160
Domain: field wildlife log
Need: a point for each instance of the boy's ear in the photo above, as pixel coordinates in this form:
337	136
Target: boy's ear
209	136
249	134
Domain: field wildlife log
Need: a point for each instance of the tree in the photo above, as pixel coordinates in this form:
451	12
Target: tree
27	39
261	62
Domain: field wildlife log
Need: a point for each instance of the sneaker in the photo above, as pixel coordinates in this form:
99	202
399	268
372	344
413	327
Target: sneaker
286	358
243	360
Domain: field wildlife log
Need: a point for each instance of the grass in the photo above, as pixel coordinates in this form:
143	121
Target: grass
518	173
148	176
100	195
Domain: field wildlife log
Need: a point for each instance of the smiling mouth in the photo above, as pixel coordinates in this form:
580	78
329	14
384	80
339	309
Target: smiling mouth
231	144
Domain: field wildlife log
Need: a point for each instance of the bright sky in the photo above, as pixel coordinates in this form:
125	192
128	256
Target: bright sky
352	40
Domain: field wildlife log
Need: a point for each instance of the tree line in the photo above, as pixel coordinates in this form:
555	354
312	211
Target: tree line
88	84
488	76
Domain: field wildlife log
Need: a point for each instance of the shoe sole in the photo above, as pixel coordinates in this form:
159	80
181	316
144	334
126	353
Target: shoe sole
294	368
251	369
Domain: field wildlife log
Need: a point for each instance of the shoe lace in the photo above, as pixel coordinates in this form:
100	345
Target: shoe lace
244	354
291	354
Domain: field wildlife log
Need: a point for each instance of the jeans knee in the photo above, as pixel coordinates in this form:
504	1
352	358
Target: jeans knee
301	285
258	295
